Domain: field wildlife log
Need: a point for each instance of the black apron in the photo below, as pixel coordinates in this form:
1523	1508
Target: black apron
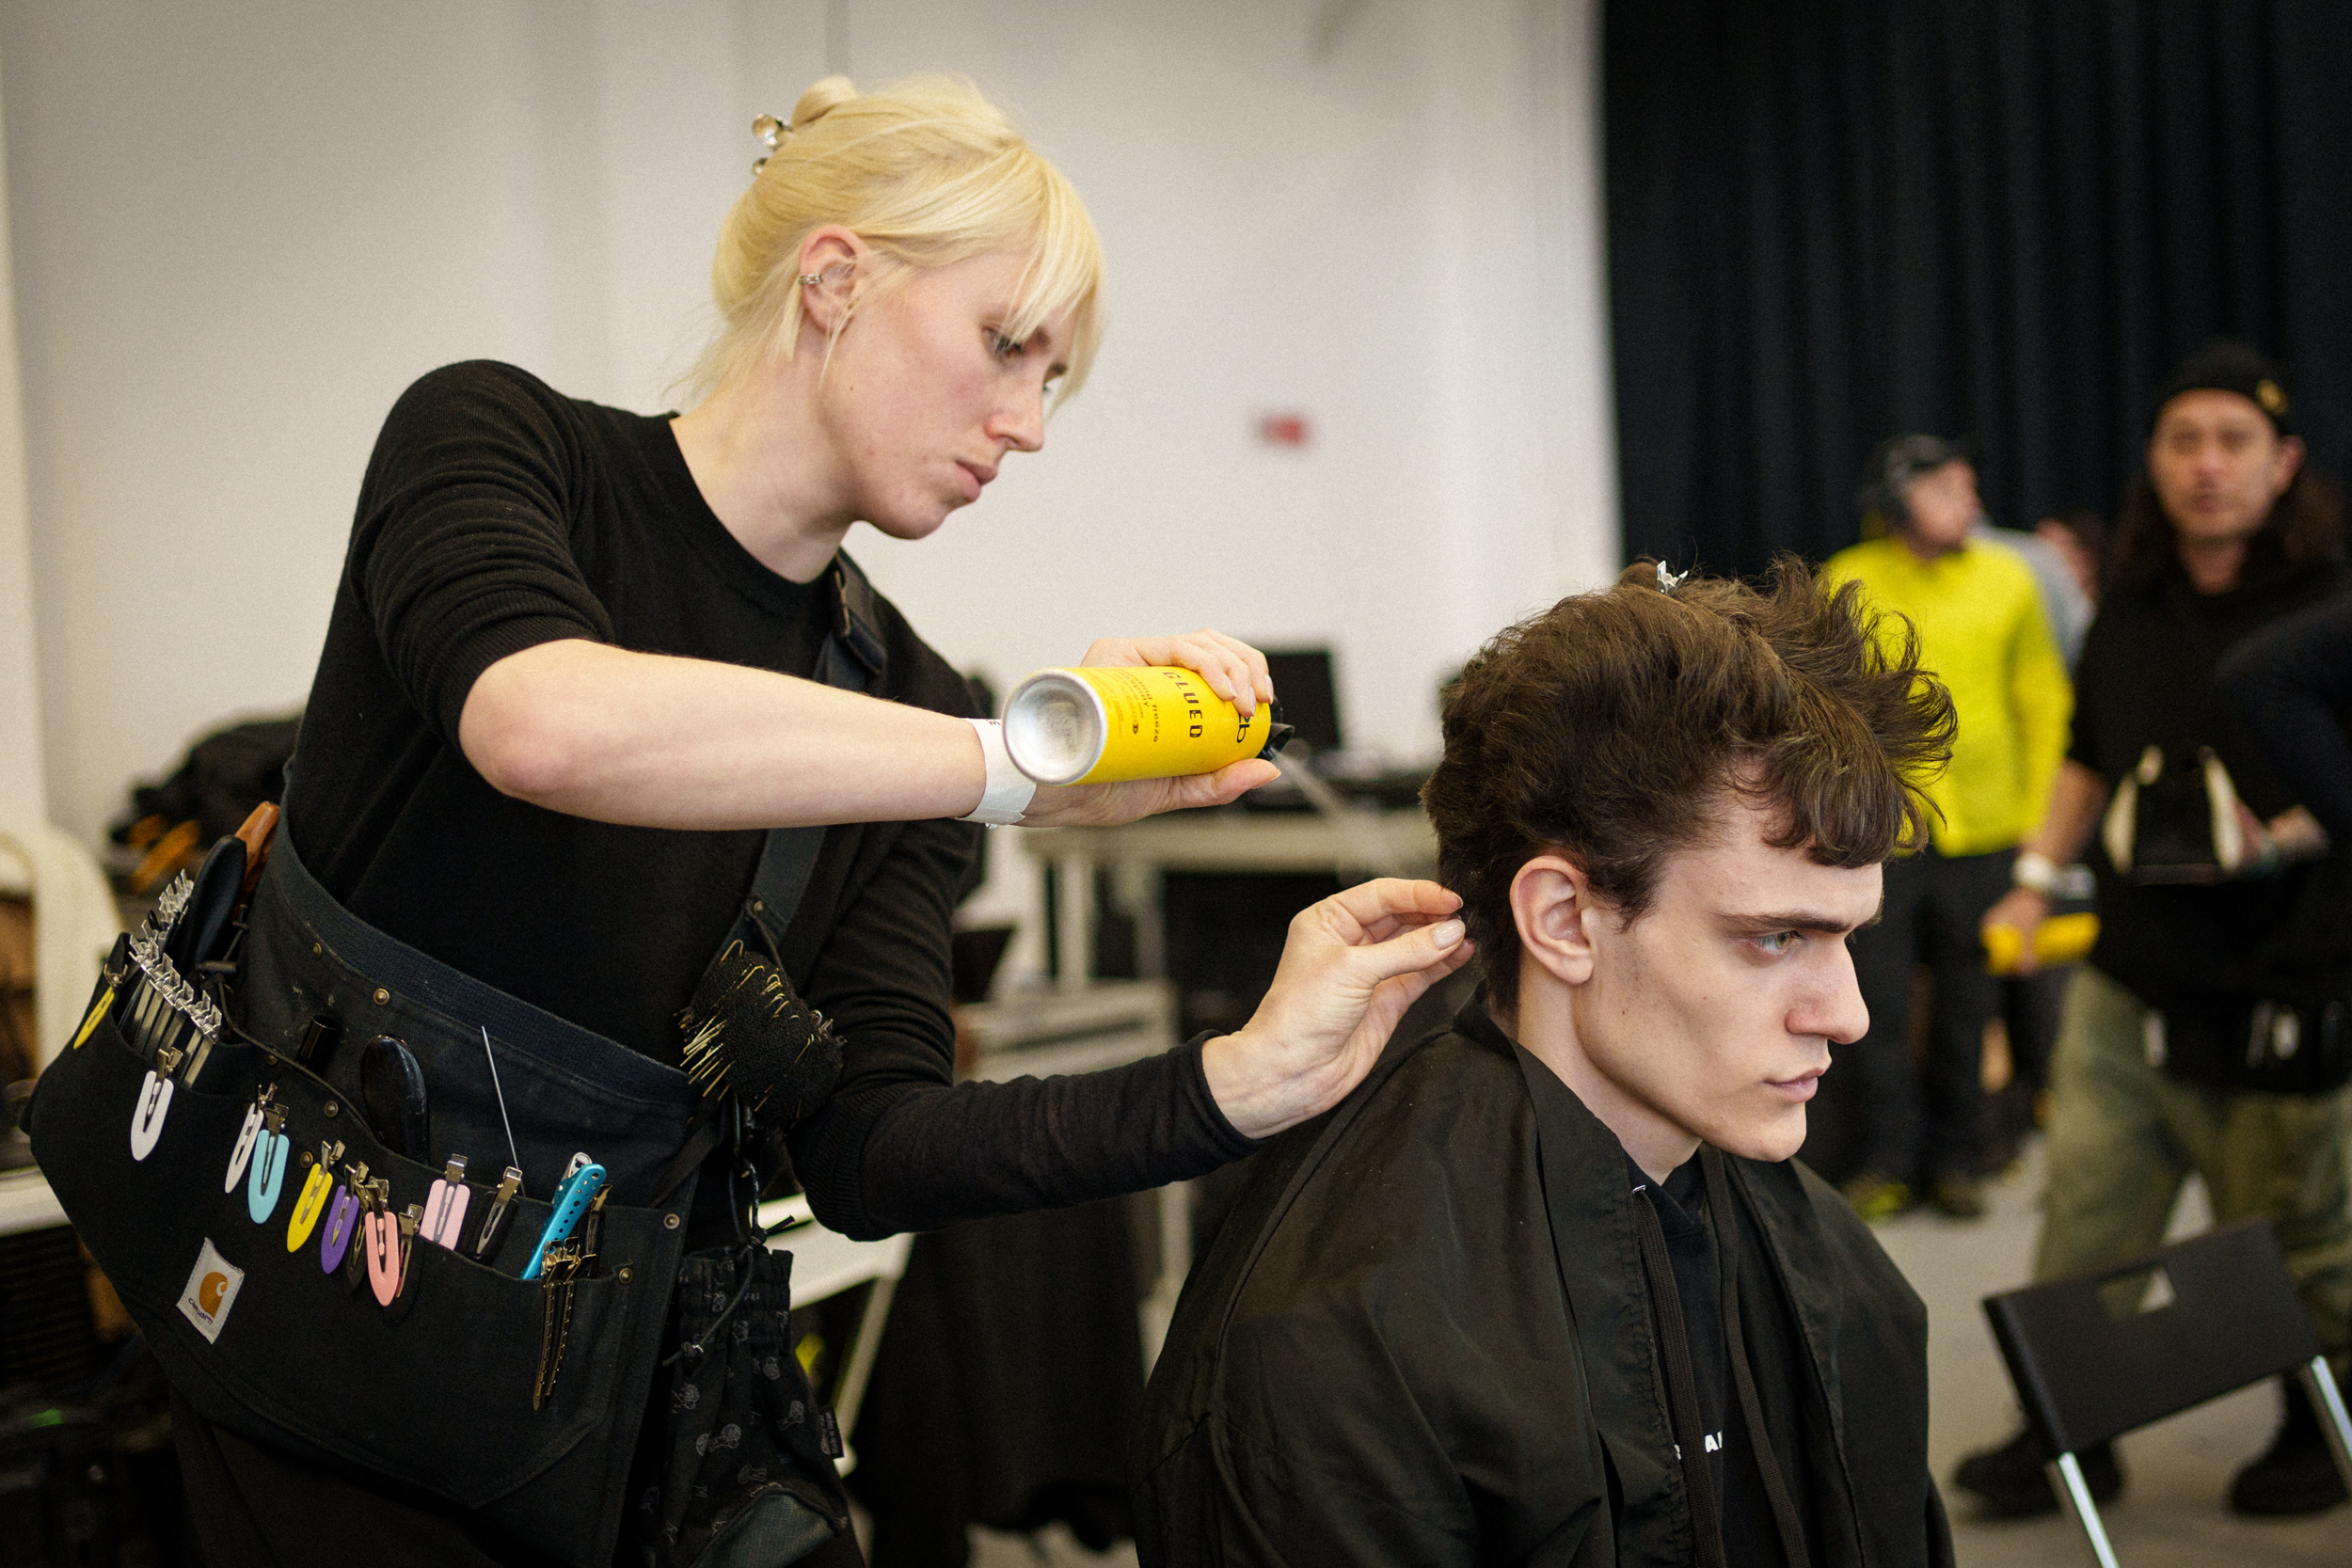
518	1399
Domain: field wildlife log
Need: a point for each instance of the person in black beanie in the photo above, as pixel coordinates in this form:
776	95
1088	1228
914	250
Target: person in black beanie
2205	1033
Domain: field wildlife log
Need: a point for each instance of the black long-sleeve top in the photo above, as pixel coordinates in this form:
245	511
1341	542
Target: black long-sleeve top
498	514
2290	686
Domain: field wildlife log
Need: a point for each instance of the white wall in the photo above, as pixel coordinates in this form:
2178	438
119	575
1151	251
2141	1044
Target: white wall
1384	237
240	228
21	796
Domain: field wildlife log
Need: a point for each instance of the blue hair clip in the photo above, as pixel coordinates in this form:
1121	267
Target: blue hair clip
571	1201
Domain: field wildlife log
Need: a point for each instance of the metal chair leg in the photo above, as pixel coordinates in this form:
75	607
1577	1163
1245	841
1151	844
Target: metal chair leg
2066	1478
2320	1384
848	1395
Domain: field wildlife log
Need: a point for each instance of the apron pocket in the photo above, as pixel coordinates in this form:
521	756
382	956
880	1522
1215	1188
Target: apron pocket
437	1391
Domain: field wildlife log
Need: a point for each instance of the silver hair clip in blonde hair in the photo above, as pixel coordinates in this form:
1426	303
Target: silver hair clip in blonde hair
1669	581
770	132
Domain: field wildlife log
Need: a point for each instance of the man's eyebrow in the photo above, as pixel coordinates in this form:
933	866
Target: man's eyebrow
1800	920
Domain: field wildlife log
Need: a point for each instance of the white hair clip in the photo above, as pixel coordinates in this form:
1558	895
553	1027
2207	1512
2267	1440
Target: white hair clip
770	132
1669	581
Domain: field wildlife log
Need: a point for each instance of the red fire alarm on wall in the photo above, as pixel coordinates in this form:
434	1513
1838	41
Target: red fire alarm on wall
1285	428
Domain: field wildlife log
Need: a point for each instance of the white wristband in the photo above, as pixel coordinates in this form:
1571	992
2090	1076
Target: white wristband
1008	789
2037	872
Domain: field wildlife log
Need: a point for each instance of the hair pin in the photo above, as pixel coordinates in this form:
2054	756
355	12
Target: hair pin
1669	581
770	132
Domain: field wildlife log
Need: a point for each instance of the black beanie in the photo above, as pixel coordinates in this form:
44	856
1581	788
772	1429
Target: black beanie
2228	365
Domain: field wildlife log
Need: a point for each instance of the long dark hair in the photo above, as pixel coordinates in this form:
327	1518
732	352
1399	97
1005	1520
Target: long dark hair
2304	530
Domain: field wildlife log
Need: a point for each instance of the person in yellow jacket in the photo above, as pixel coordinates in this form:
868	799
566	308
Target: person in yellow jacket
1978	616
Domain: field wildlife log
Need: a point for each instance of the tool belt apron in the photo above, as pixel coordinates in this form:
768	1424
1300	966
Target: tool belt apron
257	1322
242	1256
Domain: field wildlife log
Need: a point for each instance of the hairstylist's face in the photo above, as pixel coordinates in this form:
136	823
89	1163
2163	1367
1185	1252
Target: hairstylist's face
1943	506
925	394
2219	465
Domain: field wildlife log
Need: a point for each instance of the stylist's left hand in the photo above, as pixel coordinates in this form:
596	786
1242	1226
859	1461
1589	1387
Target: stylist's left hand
1234	670
1351	965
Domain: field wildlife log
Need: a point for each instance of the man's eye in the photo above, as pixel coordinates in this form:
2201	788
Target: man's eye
1777	942
1002	346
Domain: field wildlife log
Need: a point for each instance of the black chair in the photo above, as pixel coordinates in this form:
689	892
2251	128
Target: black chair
2096	1357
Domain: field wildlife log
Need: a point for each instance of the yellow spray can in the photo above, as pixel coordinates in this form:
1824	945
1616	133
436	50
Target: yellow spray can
2062	939
1099	725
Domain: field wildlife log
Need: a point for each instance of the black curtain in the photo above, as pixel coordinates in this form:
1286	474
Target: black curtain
1830	221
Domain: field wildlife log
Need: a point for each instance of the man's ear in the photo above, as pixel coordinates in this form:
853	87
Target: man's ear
1551	904
2290	461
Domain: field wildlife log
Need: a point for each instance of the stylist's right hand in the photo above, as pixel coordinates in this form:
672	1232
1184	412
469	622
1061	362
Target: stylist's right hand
1351	965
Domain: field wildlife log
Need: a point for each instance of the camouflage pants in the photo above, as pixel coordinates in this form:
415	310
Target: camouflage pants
2124	1136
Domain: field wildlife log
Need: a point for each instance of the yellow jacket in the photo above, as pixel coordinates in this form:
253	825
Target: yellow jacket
1982	634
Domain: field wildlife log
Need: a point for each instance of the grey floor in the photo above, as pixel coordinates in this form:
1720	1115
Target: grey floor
2172	1510
2171	1513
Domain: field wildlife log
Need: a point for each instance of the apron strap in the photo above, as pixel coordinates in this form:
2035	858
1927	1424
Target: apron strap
852	658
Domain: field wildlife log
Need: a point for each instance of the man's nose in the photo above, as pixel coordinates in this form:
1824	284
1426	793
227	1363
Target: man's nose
1837	1011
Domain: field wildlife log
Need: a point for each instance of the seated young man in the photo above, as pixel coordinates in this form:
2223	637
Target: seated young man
1548	1288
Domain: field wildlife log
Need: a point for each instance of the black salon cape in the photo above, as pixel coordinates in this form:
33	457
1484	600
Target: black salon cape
1424	1339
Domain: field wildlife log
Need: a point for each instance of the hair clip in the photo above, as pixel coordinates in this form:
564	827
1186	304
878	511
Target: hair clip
386	1262
342	1218
265	1177
1669	581
770	132
248	1138
311	1201
147	1122
443	1217
396	1306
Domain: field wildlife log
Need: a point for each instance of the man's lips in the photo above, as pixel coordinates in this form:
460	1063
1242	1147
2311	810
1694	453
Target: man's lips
1799	1089
980	474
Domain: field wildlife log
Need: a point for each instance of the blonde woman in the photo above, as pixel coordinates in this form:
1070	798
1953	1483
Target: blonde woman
581	662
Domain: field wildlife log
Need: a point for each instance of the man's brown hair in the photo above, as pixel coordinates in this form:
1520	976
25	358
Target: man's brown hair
1608	727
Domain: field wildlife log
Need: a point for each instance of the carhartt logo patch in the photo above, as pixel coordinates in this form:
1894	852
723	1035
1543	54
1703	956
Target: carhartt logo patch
211	1293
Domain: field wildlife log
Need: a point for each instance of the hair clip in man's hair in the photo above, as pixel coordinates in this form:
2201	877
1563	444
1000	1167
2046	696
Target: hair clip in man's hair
770	132
1669	581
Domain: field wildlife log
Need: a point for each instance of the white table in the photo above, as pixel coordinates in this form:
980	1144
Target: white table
28	1204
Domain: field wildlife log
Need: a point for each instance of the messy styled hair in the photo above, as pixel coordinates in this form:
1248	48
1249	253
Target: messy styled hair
929	173
1609	728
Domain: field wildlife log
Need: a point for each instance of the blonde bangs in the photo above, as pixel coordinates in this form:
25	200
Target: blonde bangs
1064	277
1015	202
